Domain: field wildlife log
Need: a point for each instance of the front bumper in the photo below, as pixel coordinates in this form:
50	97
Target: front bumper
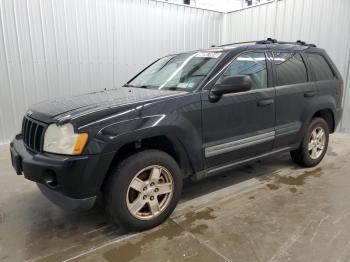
72	182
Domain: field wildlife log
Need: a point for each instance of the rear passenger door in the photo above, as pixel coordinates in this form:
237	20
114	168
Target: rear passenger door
294	92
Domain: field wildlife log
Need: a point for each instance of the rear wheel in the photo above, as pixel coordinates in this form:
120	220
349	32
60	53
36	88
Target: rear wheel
143	190
314	145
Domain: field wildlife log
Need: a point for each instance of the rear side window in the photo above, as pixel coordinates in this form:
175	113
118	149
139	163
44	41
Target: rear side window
251	64
290	68
320	67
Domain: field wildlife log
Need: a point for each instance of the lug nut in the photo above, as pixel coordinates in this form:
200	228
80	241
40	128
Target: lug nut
156	190
152	184
145	188
151	197
144	197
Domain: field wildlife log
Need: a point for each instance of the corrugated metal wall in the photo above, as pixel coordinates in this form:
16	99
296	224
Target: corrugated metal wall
323	22
51	48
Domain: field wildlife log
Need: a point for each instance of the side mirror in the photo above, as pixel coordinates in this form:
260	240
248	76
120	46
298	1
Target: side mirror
231	84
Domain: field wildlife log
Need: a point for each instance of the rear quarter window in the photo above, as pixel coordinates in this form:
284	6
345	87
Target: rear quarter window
290	68
320	67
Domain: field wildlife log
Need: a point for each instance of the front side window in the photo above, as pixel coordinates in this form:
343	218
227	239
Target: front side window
290	68
320	67
252	65
183	71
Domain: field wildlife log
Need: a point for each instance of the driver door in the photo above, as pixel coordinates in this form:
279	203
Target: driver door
240	125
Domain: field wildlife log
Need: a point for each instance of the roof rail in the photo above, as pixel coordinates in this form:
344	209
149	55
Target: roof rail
237	43
274	41
304	43
268	41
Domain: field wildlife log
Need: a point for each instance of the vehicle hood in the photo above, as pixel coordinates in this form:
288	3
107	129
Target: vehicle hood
78	105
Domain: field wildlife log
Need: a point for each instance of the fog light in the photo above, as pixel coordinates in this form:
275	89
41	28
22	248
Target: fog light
50	179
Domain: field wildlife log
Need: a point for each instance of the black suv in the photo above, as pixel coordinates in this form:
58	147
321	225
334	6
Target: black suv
192	114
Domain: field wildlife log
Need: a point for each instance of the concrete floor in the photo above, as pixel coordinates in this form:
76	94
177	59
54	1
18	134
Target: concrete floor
269	211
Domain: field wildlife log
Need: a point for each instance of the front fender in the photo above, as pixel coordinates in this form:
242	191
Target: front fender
179	130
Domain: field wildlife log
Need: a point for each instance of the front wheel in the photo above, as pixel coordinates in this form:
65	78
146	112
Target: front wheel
314	145
143	190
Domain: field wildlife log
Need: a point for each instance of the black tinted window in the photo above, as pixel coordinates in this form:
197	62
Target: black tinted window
290	68
320	67
252	65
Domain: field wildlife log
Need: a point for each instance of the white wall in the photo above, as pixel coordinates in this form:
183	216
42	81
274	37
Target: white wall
322	22
51	48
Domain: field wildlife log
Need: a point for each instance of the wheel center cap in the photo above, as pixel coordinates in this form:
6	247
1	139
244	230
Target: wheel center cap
149	192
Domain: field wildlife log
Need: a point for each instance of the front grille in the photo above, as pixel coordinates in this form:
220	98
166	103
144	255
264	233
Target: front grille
33	134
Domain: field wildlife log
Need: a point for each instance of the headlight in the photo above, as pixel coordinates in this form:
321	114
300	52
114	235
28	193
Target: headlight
63	140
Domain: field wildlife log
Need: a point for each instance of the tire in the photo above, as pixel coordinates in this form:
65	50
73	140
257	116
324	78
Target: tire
308	158
123	200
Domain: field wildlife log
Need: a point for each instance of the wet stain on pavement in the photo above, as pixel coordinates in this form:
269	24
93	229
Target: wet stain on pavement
251	197
298	180
131	250
293	190
272	186
276	180
200	229
192	217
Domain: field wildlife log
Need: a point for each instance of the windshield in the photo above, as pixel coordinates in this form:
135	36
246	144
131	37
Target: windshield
177	72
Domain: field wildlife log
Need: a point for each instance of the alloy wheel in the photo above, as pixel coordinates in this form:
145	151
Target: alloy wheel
317	142
150	192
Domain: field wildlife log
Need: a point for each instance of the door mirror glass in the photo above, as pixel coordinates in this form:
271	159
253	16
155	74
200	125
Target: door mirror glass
232	84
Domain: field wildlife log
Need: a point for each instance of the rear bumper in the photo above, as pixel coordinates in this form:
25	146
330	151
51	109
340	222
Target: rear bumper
71	182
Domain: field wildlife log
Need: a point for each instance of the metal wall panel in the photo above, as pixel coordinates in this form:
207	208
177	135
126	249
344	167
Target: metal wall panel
51	48
323	22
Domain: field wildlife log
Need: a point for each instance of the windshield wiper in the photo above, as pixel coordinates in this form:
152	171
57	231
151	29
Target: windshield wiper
174	88
128	85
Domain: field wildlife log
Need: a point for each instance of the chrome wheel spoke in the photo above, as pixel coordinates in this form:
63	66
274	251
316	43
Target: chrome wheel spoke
154	206
320	134
314	152
155	174
137	205
311	146
164	188
137	184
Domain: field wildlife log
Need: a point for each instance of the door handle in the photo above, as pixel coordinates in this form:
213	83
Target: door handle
310	94
265	102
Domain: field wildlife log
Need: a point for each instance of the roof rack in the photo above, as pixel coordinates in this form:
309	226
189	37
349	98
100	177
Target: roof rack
298	42
237	43
269	41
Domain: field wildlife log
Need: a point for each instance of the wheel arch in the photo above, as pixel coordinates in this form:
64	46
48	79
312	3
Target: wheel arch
328	115
164	143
